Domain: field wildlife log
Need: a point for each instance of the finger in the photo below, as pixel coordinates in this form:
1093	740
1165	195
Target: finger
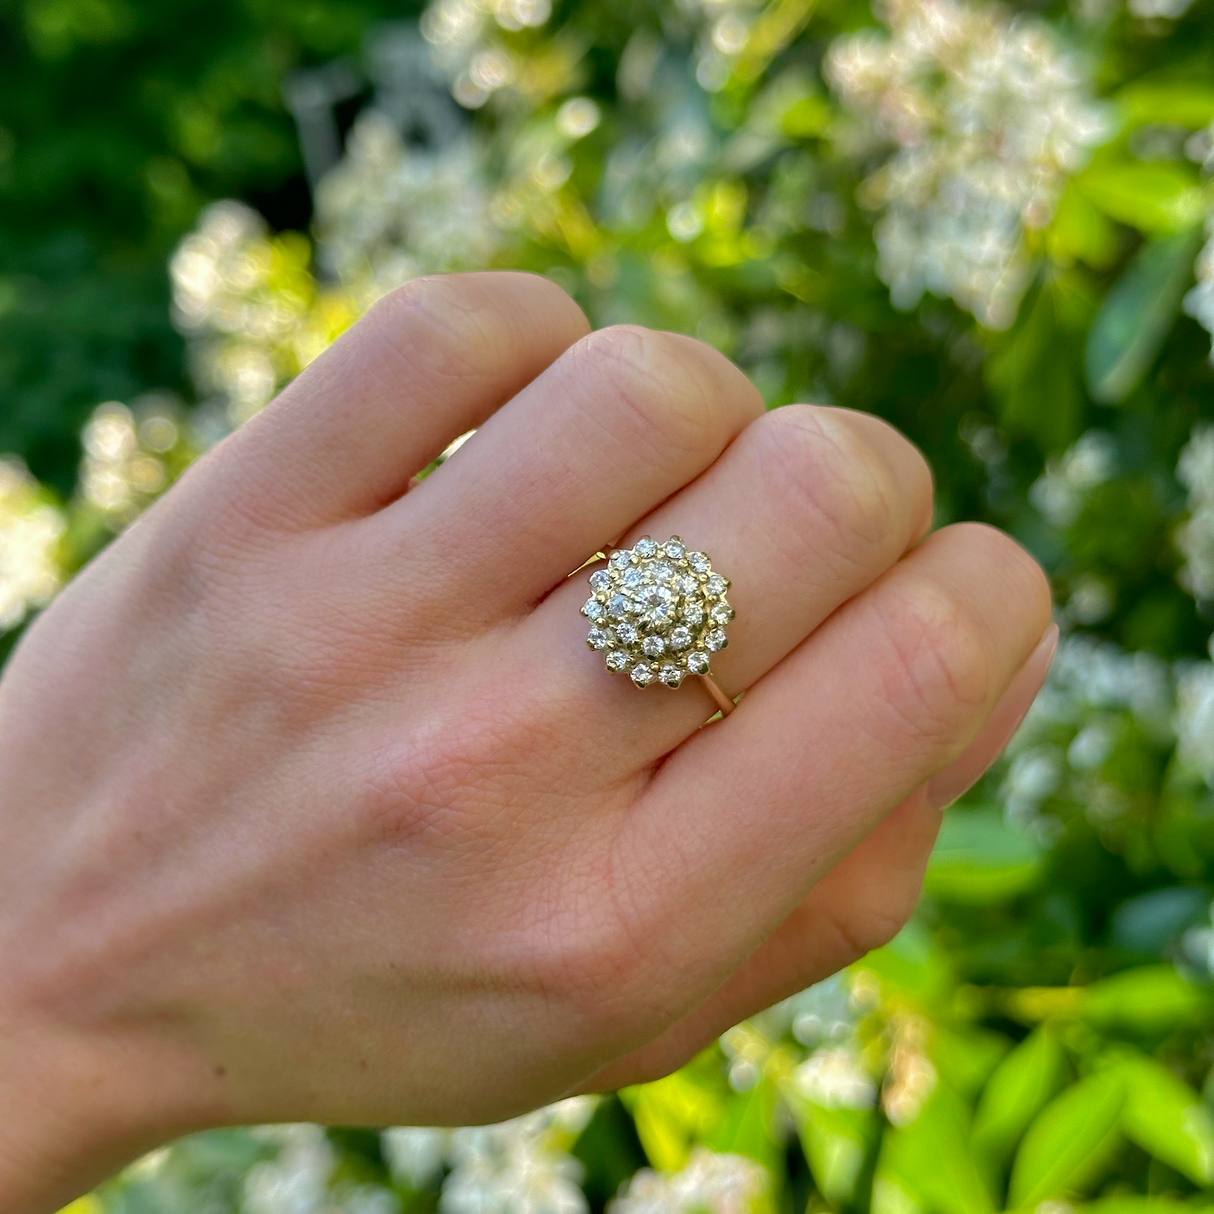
858	906
807	507
752	811
427	363
623	419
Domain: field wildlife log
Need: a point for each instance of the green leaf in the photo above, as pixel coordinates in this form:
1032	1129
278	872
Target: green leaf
1136	316
836	1143
1149	998
980	860
1070	1142
746	1128
1018	1090
670	1114
1157	197
930	1161
1169	1120
1177	103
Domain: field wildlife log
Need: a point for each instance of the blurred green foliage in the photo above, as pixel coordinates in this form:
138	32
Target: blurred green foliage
1041	1037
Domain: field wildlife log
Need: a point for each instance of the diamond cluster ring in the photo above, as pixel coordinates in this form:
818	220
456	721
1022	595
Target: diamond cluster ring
658	613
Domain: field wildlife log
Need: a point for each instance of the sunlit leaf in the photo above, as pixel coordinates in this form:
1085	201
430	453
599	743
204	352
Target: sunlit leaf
1071	1141
1149	998
1019	1088
1169	1120
979	859
1157	197
836	1142
1136	315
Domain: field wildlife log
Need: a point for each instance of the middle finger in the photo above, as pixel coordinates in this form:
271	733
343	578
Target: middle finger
805	509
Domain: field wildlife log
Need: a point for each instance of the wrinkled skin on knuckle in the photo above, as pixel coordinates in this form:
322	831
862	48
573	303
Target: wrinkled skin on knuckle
651	392
836	486
938	665
439	328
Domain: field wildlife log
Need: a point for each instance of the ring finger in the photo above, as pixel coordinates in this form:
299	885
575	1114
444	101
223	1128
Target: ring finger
805	509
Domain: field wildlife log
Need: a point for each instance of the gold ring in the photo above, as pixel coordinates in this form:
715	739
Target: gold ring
658	613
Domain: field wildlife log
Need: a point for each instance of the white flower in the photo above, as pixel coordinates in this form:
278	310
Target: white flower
711	1183
833	1078
988	115
1060	491
1199	302
1195	470
30	531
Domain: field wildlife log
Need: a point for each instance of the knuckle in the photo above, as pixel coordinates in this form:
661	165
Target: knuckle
443	326
942	668
827	473
661	393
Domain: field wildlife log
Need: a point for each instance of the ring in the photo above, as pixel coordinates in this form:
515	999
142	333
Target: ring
658	613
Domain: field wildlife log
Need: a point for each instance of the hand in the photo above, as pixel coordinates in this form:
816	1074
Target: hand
315	805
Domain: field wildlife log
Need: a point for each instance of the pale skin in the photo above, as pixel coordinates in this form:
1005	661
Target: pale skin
316	807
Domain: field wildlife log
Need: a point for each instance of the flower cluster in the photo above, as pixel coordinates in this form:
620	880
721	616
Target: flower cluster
711	1183
388	213
1195	537
988	115
31	528
254	314
130	457
1199	302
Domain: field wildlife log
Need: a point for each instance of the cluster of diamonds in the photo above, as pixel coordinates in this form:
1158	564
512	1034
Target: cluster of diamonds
658	612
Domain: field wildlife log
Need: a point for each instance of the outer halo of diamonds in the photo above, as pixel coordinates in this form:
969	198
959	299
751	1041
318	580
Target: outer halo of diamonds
658	612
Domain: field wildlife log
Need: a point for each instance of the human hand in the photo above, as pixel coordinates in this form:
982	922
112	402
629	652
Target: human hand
316	807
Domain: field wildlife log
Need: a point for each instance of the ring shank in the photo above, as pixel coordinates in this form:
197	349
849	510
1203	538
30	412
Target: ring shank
723	702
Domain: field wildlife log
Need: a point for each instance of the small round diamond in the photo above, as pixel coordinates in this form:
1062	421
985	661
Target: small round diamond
699	562
617	660
642	674
693	614
722	612
654	646
600	580
674	548
680	638
626	634
714	640
687	585
663	571
697	662
618	606
621	558
592	609
716	585
633	580
645	548
598	638
671	675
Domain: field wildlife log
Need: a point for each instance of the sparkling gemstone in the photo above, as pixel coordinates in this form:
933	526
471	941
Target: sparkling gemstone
693	614
662	571
717	585
674	548
626	634
671	675
645	547
617	660
618	607
621	558
722	612
687	585
697	662
659	618
642	674
714	640
680	638
654	647
699	562
634	579
593	609
600	580
598	638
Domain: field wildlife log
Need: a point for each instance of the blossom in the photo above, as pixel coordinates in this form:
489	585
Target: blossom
1199	302
30	532
711	1183
988	116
